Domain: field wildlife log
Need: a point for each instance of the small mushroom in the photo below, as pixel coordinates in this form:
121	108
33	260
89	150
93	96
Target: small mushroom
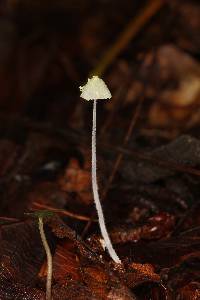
96	89
49	258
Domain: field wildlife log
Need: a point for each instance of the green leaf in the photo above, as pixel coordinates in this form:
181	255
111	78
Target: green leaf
40	214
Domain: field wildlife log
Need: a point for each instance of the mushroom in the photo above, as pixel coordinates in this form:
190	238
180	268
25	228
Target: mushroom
49	258
96	89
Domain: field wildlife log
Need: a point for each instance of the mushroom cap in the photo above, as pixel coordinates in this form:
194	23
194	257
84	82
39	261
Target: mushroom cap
95	89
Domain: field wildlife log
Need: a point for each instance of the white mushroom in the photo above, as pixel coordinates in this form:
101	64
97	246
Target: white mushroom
96	89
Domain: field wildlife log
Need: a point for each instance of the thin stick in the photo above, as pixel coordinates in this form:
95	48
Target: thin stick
49	259
132	29
102	225
62	212
126	139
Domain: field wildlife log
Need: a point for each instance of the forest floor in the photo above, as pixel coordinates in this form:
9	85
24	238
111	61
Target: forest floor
148	148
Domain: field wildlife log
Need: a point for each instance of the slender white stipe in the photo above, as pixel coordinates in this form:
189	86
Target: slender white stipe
102	224
49	259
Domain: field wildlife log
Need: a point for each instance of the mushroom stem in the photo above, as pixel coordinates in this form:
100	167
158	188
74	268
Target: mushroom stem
49	259
102	224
